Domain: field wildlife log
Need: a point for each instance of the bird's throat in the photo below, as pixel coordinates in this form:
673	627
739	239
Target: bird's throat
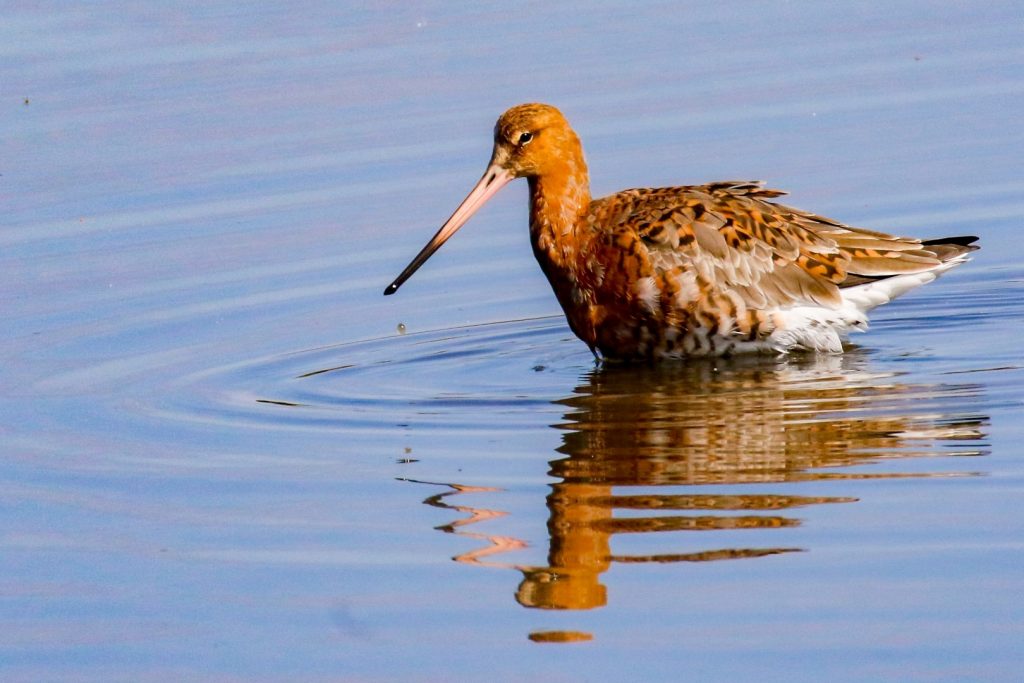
559	200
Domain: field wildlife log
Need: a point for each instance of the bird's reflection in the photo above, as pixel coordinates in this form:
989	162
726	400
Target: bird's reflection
731	424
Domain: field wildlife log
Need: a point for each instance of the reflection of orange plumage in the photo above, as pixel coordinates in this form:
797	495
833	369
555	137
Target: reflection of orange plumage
698	270
633	436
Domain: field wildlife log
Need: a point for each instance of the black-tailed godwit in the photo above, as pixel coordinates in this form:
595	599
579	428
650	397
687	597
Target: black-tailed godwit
694	270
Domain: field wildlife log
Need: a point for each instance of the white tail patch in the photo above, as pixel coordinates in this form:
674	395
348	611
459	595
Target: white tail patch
817	328
867	296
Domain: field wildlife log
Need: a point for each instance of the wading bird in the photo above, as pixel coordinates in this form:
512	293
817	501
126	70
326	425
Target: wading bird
697	270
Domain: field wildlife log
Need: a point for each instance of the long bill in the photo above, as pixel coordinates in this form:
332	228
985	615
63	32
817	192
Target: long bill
494	178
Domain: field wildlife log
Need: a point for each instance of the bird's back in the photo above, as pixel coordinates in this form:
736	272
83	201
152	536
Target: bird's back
721	268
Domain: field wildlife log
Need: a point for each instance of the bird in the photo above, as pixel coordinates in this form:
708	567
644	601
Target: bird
694	270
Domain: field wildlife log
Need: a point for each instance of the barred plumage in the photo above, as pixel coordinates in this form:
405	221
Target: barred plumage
708	269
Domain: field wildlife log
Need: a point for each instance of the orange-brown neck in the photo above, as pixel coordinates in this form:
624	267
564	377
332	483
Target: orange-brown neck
559	198
559	202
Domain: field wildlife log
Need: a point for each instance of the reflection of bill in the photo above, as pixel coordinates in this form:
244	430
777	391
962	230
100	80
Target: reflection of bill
725	423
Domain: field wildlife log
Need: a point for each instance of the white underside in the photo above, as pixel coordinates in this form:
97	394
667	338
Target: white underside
817	328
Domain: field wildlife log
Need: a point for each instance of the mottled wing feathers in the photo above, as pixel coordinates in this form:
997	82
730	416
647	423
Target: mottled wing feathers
772	256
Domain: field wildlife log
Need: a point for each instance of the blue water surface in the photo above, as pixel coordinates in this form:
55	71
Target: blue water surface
226	457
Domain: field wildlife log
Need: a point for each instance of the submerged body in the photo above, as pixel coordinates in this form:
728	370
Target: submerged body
709	269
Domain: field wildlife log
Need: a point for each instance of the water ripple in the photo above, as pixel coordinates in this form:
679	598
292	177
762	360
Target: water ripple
459	377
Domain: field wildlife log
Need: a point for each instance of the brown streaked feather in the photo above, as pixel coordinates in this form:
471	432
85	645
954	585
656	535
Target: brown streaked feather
769	254
708	269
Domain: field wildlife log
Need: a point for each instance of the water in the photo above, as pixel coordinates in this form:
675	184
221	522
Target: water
228	457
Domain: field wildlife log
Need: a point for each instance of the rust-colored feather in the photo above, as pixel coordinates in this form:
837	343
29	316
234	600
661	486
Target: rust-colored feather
770	254
698	269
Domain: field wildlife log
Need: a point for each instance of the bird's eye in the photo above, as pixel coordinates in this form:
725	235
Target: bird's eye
525	138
